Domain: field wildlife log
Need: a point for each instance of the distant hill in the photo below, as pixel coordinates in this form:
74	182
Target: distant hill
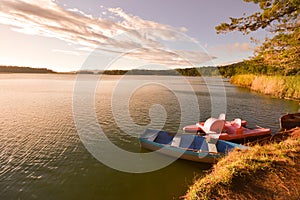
15	69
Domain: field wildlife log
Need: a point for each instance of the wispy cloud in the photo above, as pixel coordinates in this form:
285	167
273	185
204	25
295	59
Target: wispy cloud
232	48
76	53
46	18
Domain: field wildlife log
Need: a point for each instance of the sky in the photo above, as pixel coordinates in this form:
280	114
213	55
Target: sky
69	35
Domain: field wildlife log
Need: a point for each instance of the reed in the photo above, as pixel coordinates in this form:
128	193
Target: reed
278	86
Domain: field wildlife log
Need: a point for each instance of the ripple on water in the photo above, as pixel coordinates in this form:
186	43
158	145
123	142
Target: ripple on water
41	154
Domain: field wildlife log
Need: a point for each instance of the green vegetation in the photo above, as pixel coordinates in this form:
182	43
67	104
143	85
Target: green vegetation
257	68
243	172
281	18
278	57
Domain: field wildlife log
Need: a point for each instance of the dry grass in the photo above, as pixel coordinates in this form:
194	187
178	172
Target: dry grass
262	172
243	80
279	86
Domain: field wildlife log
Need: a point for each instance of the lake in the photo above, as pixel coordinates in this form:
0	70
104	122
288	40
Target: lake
42	153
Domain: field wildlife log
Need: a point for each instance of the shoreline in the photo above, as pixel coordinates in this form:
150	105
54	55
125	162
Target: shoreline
268	170
283	87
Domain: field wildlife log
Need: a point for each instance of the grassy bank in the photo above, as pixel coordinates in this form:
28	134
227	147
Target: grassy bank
278	86
263	172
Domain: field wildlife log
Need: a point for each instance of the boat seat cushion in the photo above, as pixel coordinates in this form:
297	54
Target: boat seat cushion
235	127
193	142
187	141
200	143
163	138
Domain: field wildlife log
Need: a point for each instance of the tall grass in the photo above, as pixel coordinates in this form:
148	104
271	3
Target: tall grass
243	80
279	86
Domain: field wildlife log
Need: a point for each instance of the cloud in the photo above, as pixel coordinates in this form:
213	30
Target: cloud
76	53
130	35
163	31
242	46
232	48
172	57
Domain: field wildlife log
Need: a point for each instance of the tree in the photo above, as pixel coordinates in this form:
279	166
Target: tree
280	17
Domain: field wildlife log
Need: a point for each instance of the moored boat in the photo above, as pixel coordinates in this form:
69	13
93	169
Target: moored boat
289	121
186	146
231	130
195	128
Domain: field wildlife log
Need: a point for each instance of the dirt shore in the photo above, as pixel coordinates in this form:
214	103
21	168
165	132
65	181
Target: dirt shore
276	176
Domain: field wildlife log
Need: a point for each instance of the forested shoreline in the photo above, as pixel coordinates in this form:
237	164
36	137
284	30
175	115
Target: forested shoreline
16	69
244	67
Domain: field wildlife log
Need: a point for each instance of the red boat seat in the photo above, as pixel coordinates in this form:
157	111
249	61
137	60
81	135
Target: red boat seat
235	127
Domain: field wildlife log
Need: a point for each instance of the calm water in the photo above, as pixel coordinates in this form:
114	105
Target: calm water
42	157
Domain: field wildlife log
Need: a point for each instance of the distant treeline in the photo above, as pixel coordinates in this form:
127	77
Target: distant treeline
203	71
142	72
14	69
257	68
245	67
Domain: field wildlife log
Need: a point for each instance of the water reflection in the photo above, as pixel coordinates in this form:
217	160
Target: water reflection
41	154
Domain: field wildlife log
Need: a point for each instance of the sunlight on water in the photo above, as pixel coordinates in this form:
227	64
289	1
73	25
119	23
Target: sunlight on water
41	155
